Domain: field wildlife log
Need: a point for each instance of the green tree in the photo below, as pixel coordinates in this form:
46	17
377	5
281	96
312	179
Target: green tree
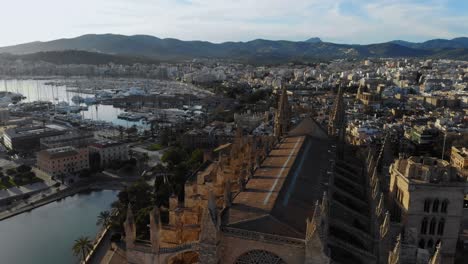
196	159
82	247
140	195
174	156
163	190
104	219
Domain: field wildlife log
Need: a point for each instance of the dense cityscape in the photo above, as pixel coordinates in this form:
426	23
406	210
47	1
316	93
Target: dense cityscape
133	149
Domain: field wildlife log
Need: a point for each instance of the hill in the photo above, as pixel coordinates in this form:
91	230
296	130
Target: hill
258	51
77	57
456	43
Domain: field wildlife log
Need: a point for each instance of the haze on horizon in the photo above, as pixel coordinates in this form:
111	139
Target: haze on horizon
340	21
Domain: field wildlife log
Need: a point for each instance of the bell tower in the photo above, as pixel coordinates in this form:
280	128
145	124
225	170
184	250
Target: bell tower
283	115
336	125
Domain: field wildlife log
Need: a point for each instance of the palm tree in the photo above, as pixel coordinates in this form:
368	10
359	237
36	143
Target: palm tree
82	246
104	219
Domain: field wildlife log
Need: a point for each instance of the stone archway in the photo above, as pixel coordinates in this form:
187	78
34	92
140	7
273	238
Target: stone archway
259	257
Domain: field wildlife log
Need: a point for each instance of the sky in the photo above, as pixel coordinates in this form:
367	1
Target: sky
339	21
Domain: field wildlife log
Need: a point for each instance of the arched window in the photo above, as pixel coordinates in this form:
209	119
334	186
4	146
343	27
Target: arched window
444	206
440	228
430	244
432	226
424	226
435	205
422	243
427	205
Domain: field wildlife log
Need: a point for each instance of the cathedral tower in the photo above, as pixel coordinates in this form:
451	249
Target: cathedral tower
283	115
336	125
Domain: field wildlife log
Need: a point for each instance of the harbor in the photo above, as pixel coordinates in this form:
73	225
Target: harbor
74	106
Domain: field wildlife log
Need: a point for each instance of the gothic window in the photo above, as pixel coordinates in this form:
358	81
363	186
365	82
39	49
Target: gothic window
435	206
444	206
424	226
432	226
440	228
259	257
422	243
427	205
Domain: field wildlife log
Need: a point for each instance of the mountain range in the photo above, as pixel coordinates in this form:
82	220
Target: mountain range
257	51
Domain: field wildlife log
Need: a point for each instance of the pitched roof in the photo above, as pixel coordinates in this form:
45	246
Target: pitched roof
282	192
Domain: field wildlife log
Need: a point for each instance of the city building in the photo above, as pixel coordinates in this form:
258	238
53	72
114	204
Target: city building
28	138
370	99
423	135
107	152
75	138
212	135
63	160
427	200
459	160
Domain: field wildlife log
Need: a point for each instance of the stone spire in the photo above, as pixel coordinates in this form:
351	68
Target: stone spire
336	125
314	251
209	234
129	227
155	228
380	206
394	255
282	117
437	257
385	226
209	227
311	226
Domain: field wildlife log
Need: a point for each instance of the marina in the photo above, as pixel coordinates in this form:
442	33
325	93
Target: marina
64	101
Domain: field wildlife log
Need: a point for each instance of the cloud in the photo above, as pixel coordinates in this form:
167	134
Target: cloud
347	21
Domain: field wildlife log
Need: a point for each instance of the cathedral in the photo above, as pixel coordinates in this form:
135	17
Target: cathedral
297	197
